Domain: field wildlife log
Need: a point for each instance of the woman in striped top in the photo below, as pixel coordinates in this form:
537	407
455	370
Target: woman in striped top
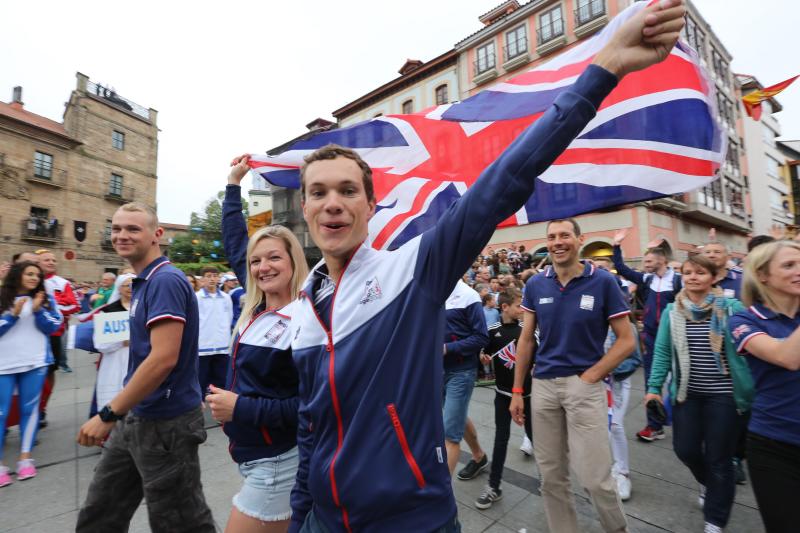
711	385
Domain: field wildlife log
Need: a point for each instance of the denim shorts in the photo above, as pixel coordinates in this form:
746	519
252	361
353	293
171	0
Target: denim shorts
457	391
267	485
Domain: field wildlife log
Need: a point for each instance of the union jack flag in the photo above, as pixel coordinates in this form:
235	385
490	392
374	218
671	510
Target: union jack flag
508	354
655	135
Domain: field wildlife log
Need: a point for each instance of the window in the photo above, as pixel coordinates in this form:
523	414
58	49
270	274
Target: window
589	10
711	195
42	165
115	185
551	25
769	135
776	199
408	107
516	42
735	199
441	95
118	140
732	159
485	58
773	167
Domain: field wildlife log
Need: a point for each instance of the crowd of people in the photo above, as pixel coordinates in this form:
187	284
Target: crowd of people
345	390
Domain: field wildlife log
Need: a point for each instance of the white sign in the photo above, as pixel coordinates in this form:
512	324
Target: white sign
111	327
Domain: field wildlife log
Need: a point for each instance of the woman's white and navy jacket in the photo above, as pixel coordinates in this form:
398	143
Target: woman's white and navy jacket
261	369
369	350
25	339
465	331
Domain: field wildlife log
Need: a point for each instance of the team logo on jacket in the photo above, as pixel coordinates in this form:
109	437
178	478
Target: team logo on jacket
739	331
372	292
276	331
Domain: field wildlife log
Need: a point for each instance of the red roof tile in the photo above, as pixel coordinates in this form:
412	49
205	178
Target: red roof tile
17	112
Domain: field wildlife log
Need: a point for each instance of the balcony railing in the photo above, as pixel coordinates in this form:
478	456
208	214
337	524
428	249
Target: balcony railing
548	32
515	48
484	64
38	172
41	229
591	10
112	97
121	194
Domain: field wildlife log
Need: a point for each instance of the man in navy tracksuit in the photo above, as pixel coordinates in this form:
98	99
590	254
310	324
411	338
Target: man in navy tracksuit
656	288
368	327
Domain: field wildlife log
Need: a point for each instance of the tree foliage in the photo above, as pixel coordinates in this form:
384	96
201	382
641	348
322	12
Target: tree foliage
203	243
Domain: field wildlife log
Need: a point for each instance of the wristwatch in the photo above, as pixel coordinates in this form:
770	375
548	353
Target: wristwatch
108	415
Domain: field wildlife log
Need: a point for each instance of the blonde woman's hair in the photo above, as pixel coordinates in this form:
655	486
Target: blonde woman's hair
253	296
757	264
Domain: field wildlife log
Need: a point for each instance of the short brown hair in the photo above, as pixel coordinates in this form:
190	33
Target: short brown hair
209	270
508	297
575	227
332	151
703	262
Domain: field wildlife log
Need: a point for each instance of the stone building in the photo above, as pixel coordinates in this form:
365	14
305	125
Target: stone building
62	181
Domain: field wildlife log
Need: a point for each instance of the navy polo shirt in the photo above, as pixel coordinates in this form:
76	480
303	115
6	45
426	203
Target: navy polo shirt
731	284
572	320
161	292
776	407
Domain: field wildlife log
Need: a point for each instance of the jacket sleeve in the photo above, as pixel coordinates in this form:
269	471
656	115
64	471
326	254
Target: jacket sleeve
268	412
448	249
234	232
300	498
479	336
49	320
662	354
7	321
67	303
624	270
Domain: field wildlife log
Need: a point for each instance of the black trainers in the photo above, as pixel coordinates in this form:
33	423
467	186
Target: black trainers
741	477
488	497
473	468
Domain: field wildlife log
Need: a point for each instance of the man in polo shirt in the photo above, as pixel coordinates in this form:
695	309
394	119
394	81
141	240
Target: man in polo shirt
156	418
573	303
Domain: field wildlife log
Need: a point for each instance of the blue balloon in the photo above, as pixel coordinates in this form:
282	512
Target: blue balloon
214	256
216	243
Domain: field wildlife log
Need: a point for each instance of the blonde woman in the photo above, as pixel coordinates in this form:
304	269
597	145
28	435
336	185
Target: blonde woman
259	408
768	333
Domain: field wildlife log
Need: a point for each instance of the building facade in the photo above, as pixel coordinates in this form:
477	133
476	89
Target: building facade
515	38
770	192
62	181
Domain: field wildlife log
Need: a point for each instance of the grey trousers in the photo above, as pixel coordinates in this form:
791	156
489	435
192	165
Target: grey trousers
154	459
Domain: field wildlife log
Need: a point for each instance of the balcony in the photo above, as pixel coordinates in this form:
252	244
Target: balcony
516	54
675	203
550	37
41	230
120	194
590	17
36	172
484	69
698	209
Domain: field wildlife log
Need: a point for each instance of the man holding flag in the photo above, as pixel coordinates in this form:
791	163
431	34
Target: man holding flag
368	326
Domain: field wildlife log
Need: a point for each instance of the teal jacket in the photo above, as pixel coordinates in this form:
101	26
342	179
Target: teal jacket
665	360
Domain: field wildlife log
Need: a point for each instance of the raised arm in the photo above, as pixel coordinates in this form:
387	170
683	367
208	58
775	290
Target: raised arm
447	250
234	227
619	263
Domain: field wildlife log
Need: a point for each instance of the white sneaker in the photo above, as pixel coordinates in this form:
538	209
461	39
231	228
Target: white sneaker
711	528
701	498
527	446
623	486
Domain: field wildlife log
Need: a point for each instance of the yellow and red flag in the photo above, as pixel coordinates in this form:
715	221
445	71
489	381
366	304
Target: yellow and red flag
752	101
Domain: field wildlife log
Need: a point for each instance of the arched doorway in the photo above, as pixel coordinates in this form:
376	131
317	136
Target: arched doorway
597	249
